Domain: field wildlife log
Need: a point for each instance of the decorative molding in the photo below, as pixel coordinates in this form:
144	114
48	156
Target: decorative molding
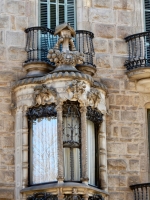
44	95
76	89
42	196
94	97
42	111
94	115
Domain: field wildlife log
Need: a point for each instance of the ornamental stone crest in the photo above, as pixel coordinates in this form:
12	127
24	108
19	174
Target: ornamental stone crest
68	57
94	97
76	88
44	95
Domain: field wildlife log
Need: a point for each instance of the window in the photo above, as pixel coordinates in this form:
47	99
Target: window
55	12
147	28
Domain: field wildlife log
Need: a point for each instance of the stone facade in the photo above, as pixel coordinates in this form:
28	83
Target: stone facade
126	119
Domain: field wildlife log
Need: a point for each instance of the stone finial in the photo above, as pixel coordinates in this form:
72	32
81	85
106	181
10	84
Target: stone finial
67	58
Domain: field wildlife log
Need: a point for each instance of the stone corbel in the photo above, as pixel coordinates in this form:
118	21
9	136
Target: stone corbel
44	95
94	98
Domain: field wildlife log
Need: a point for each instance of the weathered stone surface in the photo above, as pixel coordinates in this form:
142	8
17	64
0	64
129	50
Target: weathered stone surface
116	115
123	4
117	164
102	3
125	131
7	176
6	194
130	196
116	181
7	159
116	147
2	53
100	45
8	142
103	61
12	6
4	21
111	83
15	38
125	17
104	31
123	100
118	62
123	31
116	131
120	47
6	76
1	37
101	15
116	196
132	148
21	23
128	116
134	165
133	180
16	53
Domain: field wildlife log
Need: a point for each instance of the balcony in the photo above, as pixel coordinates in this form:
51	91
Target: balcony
141	191
40	40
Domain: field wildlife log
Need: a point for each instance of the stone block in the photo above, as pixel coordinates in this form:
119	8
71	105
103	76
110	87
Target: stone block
1	37
15	38
116	147
123	4
116	196
128	116
1	125
134	165
6	194
123	100
12	6
116	165
120	47
118	62
7	176
2	7
101	15
2	53
124	31
116	181
105	31
116	131
111	83
133	180
9	125
8	142
13	24
125	131
6	76
102	3
133	148
116	115
103	61
125	17
100	45
4	92
7	159
4	21
16	53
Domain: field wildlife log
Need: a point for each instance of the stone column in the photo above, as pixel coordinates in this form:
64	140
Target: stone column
85	178
25	147
18	152
60	177
103	154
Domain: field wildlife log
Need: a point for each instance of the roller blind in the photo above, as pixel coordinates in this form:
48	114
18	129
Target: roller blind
55	12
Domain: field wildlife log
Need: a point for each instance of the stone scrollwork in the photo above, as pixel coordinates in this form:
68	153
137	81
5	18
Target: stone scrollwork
44	95
76	89
94	97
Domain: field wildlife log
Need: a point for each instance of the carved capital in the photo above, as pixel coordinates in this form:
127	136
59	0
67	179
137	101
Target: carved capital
44	95
94	97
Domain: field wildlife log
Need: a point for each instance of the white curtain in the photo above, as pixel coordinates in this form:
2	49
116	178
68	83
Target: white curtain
91	151
44	150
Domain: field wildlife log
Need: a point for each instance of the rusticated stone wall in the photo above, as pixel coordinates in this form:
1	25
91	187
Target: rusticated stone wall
111	21
15	16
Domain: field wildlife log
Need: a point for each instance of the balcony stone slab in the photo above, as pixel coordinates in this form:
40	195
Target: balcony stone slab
143	85
139	73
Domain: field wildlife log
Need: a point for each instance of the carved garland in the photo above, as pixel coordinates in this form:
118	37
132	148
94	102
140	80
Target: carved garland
94	115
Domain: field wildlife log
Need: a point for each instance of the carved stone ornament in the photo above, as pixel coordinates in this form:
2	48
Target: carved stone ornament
94	115
94	97
68	55
44	95
76	88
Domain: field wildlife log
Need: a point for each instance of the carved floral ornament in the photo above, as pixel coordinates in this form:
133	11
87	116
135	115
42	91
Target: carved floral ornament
76	90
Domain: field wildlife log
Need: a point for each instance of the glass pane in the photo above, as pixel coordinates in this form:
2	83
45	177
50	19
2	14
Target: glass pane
76	164
61	1
67	169
53	1
43	150
91	151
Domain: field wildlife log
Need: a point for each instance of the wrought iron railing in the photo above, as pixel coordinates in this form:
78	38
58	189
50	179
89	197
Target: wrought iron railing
41	39
139	50
141	191
49	196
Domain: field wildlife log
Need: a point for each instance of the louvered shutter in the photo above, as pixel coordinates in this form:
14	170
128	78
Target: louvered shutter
147	28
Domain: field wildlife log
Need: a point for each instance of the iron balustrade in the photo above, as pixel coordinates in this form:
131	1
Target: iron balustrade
139	50
141	191
41	39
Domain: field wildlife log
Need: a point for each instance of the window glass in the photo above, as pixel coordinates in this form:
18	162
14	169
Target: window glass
43	154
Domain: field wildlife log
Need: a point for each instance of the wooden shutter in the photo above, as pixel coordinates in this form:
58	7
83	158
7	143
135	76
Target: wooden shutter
43	13
147	15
